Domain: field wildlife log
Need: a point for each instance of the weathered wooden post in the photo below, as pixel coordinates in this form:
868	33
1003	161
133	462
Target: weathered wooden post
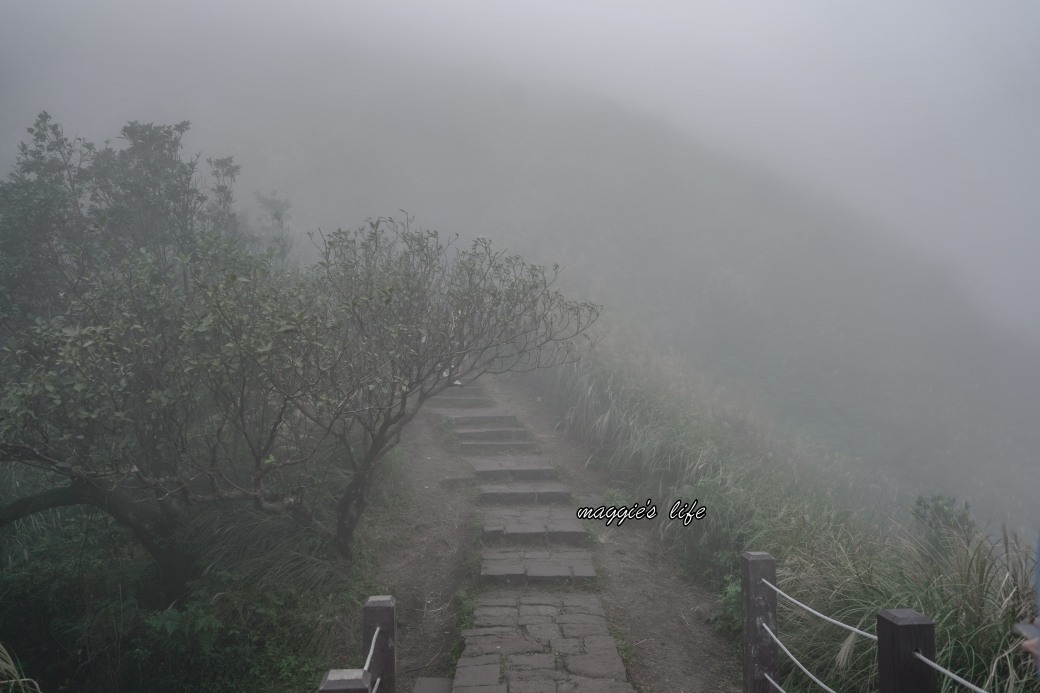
379	649
901	633
760	652
380	613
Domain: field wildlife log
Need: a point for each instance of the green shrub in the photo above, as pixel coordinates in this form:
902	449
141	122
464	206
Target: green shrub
270	613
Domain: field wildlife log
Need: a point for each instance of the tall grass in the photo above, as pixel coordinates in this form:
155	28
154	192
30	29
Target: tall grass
845	541
11	679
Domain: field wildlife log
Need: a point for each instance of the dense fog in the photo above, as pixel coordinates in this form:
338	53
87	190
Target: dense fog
828	207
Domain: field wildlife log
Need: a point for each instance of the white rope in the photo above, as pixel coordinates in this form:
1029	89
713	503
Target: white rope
775	684
949	673
794	659
814	612
372	648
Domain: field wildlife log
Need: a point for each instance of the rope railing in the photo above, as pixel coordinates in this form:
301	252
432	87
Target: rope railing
371	651
798	664
948	673
905	639
774	683
816	613
380	669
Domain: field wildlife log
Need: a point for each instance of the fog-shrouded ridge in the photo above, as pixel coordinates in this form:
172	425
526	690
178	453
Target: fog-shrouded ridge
920	114
834	316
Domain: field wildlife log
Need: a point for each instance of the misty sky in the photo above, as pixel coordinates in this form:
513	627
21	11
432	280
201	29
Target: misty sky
921	115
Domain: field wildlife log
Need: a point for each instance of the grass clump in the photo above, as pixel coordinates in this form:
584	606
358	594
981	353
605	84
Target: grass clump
841	545
11	678
464	603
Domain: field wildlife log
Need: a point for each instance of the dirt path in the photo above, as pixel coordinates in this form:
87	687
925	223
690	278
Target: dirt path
656	619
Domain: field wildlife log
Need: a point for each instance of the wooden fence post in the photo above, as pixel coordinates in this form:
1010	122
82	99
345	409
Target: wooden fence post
901	632
380	612
760	652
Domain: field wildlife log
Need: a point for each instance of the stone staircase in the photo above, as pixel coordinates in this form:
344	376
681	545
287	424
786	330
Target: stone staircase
536	628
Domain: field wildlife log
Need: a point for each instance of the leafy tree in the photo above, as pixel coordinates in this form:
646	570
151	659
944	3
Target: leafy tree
219	208
400	317
44	226
95	245
275	208
183	371
144	195
68	210
277	236
144	401
100	401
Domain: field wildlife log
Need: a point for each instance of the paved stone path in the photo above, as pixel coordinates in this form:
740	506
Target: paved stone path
533	525
525	641
543	634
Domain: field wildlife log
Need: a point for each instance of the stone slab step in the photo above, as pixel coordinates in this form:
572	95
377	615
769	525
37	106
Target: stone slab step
524	493
533	524
471	390
540	566
493	435
540	642
505	468
484	421
498	447
427	684
461	403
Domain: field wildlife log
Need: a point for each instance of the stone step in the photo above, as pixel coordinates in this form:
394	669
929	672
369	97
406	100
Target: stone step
540	642
525	493
427	684
471	390
536	566
461	403
484	421
492	435
505	468
500	447
540	524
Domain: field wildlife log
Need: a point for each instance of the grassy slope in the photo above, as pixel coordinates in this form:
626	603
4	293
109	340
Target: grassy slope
837	549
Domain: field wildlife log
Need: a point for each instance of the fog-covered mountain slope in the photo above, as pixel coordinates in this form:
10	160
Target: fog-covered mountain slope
844	334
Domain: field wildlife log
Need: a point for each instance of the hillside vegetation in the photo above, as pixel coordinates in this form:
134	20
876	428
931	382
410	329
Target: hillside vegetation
842	544
771	353
191	426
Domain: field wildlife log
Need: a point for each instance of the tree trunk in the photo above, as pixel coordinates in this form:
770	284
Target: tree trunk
348	512
150	527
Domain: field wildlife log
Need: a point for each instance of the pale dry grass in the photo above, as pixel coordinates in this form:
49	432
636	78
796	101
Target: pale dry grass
11	680
840	534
